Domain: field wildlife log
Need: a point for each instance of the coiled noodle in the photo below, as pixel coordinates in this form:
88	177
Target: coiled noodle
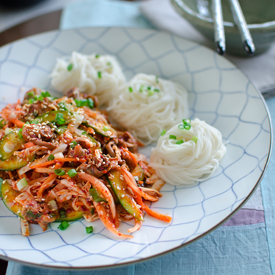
98	75
148	104
194	160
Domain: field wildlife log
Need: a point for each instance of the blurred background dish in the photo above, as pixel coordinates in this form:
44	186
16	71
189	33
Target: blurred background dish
259	16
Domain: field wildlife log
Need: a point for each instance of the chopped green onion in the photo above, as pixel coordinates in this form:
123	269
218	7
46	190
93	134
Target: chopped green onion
81	102
21	184
59	172
149	88
172	137
90	103
20	133
64	225
109	64
180	141
99	74
186	124
34	121
41	98
195	139
89	229
163	132
30	94
156	90
59	119
84	133
105	128
51	157
141	89
150	93
46	94
61	130
73	144
62	106
72	173
97	56
2	123
95	195
157	79
31	101
70	67
62	213
130	89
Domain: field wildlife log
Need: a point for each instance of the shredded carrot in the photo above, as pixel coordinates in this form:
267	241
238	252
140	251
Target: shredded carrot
47	163
132	156
29	144
17	122
151	212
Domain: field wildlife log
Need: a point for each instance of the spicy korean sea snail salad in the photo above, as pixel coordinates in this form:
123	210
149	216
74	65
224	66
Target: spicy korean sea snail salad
61	160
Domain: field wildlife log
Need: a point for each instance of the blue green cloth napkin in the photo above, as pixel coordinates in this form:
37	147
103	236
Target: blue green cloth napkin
103	13
239	250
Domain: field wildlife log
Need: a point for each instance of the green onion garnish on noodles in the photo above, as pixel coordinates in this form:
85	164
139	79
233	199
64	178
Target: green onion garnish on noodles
141	89
150	93
64	225
59	119
99	74
59	172
156	90
163	132
70	67
72	173
109	64
105	128
51	157
172	137
130	89
149	88
195	139
89	229
31	101
81	103
186	124
180	141
97	56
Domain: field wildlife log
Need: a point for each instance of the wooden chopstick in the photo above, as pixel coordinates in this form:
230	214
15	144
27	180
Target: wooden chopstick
242	26
218	26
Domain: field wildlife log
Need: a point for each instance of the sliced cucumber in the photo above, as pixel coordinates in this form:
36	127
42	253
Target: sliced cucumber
51	116
15	162
138	172
10	143
102	129
119	186
8	195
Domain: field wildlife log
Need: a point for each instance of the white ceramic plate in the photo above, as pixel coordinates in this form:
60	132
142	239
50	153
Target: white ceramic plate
218	93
